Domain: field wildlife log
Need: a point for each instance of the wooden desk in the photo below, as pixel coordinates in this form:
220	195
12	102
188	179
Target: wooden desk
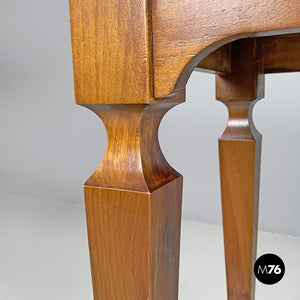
132	60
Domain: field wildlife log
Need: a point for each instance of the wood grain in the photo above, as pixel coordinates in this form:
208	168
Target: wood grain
165	230
185	32
134	51
131	62
111	51
279	54
134	242
133	159
239	151
133	207
219	61
119	241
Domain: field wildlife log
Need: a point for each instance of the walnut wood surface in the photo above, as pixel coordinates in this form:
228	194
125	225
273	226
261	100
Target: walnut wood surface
133	207
134	242
111	51
219	61
239	151
185	32
132	59
133	51
279	54
133	159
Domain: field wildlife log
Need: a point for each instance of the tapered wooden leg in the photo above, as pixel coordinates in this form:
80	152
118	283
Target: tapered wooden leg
239	151
133	207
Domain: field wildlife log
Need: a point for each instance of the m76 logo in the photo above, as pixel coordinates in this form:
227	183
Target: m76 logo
269	269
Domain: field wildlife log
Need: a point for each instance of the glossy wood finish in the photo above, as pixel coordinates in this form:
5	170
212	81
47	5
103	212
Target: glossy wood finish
219	61
133	207
134	242
111	51
185	32
134	51
278	53
239	150
133	160
132	59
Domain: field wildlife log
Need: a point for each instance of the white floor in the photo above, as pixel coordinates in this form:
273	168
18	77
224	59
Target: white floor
44	256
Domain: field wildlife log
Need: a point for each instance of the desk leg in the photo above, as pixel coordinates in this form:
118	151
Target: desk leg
239	166
239	151
133	208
